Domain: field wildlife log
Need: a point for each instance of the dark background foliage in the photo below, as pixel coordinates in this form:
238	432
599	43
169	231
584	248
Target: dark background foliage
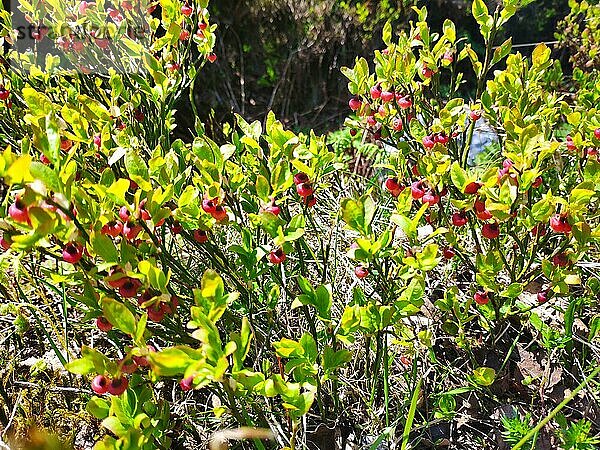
286	55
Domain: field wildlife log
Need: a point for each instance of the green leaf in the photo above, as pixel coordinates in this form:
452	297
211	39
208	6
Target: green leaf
484	376
116	192
513	291
119	316
387	33
39	105
263	188
540	55
481	15
137	169
450	30
173	361
502	51
98	407
104	247
323	301
81	366
333	360
212	285
459	176
46	175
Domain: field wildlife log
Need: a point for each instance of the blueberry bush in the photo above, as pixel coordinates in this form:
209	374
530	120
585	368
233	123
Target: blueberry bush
259	290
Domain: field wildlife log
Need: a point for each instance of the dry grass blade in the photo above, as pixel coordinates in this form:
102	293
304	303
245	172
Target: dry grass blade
220	440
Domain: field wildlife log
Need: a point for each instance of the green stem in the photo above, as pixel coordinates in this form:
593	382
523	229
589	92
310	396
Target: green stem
556	410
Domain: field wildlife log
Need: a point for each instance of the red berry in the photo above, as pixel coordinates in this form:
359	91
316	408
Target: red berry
428	142
44	159
560	260
353	132
4	244
72	252
156	313
542	297
387	96
417	190
277	256
472	188
144	214
97	140
305	190
102	43
100	384
491	230
118	282
173	66
459	219
376	91
484	215
138	115
361	272
142	361
18	211
186	10
129	288
187	384
209	205
560	223
354	104
170	307
103	324
537	182
212	58
127	366
301	178
4	93
176	228
202	26
200	236
449	253
427	72
77	46
404	102
475	115
371	121
112	228
131	230
220	213
597	133
441	139
538	229
117	386
184	35
481	298
310	201
391	184
124	213
382	111
448	56
430	198
397	124
273	209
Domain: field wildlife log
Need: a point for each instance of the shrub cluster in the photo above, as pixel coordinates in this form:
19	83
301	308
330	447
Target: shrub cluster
258	274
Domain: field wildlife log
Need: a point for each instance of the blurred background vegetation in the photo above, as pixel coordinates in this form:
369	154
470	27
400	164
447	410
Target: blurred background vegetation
286	55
